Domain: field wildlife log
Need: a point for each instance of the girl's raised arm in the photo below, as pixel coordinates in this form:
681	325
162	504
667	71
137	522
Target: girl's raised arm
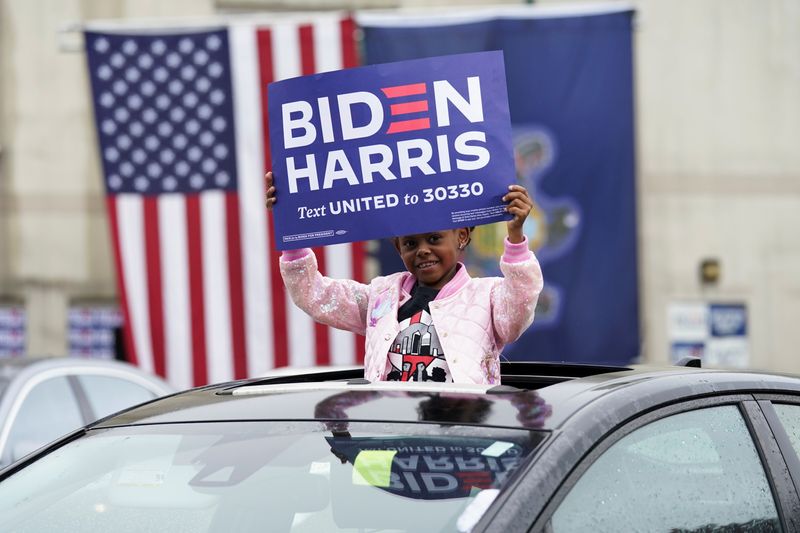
519	205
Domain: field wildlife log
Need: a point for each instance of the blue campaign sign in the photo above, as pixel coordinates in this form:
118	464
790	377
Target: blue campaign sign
390	149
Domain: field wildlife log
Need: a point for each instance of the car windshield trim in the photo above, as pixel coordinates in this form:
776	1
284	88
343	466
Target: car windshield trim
362	386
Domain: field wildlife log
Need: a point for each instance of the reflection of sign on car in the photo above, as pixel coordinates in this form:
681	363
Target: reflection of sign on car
390	149
434	468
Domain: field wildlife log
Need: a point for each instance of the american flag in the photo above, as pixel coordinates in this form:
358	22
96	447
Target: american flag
183	136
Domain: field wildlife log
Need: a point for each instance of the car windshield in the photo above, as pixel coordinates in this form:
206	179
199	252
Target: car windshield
266	476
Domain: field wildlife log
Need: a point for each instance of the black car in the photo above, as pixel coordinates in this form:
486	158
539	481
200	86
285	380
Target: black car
556	448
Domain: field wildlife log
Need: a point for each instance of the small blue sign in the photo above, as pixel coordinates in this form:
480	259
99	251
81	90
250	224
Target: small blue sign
390	149
728	320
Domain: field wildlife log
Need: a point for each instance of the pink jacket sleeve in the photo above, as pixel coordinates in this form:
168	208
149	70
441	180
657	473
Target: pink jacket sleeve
341	303
514	297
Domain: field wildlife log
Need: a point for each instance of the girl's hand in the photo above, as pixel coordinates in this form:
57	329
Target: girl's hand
270	187
519	205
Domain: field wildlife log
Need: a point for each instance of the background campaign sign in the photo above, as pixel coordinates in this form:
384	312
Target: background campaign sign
390	149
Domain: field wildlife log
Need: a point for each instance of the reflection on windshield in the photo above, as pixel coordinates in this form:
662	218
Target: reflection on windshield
444	408
264	476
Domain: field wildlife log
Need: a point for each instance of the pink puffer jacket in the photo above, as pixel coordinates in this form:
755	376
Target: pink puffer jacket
474	317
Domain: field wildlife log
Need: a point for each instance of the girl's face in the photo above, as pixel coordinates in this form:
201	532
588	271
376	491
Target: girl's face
432	257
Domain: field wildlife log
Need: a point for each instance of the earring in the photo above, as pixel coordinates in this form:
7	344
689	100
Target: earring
461	246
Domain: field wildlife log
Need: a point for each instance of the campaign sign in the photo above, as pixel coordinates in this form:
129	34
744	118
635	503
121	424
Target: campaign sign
390	149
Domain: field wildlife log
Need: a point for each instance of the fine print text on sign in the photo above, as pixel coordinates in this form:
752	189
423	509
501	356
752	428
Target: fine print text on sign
390	149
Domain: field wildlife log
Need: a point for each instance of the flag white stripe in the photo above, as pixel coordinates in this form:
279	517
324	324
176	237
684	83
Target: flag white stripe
327	44
217	306
250	168
175	294
300	327
286	51
338	261
130	220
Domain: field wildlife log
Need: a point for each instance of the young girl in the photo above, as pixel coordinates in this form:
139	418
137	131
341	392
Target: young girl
434	322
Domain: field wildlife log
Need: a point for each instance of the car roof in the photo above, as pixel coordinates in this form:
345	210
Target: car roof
20	369
545	396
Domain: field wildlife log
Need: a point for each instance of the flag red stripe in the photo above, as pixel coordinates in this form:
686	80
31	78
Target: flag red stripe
196	297
307	61
127	327
404	90
349	60
309	66
349	49
409	107
154	286
409	125
236	285
278	299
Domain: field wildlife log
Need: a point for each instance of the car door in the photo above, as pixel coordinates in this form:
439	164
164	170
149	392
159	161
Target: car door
782	412
705	465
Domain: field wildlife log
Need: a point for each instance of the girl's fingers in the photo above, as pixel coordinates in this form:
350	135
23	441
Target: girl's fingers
518	189
519	204
270	196
519	214
510	197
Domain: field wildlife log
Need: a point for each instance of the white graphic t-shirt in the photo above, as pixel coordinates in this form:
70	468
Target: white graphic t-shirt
416	353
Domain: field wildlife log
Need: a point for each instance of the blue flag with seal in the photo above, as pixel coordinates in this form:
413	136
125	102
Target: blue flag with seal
392	149
570	89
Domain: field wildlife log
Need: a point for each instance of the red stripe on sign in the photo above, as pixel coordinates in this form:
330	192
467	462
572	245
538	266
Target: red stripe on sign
236	284
127	327
409	125
349	46
307	61
154	286
196	297
404	90
279	324
409	107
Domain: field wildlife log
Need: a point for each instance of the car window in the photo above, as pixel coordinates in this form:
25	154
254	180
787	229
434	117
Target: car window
689	472
789	416
251	476
108	394
47	412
